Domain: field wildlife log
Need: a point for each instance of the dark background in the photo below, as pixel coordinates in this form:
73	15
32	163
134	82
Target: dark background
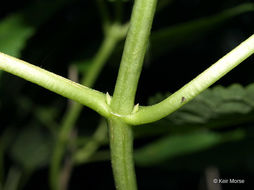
73	32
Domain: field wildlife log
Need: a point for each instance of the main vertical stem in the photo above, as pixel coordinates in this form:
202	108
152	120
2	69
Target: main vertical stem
121	140
122	103
133	56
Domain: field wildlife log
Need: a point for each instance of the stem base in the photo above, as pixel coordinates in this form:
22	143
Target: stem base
121	145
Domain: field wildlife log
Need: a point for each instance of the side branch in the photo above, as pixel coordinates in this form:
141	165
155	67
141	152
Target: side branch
155	112
60	85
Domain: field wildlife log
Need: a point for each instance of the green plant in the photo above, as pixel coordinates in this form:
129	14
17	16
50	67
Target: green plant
120	110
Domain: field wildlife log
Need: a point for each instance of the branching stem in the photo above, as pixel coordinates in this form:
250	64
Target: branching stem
67	88
155	112
122	103
113	34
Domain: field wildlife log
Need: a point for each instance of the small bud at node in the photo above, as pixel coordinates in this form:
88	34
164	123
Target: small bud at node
135	109
108	98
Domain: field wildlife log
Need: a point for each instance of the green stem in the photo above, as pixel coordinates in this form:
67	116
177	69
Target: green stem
133	56
121	146
67	88
114	34
193	88
122	103
68	122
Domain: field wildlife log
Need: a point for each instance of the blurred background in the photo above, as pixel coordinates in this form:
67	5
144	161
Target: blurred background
210	138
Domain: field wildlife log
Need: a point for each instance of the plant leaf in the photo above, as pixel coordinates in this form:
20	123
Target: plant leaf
31	149
14	32
177	145
15	29
83	66
13	179
215	107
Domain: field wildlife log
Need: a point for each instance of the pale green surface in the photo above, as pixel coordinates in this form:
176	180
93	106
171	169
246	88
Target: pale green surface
121	148
217	107
123	99
155	112
133	56
113	34
67	88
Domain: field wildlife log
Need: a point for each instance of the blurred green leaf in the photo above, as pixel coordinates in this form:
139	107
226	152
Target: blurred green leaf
250	94
25	106
46	115
214	108
31	148
14	33
17	28
83	66
177	145
174	36
13	179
